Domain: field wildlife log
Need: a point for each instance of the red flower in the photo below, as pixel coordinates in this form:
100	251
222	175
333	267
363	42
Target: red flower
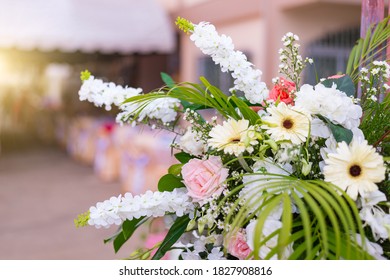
282	91
108	127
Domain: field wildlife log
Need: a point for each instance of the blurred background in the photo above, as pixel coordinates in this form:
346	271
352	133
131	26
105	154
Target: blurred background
59	156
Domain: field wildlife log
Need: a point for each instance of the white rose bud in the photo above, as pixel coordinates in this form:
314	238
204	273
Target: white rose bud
189	144
306	167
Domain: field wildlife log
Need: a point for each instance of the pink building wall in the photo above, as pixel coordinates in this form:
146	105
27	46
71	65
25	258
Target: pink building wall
256	26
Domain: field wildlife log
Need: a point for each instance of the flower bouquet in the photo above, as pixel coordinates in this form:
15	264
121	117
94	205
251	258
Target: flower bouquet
291	172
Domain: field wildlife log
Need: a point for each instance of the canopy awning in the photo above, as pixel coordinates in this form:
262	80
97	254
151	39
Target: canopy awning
107	26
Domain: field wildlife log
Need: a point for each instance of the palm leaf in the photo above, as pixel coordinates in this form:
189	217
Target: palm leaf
325	227
368	48
200	97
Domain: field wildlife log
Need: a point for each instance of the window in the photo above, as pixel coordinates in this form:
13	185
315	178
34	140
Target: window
213	73
330	54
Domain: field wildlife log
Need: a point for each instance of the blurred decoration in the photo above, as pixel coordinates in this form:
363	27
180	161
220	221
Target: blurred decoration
45	44
135	156
56	76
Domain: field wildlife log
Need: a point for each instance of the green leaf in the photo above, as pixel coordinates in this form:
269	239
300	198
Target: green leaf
344	84
183	157
194	107
245	110
129	227
316	209
328	211
285	231
175	169
219	100
271	204
369	48
358	252
350	61
119	241
171	84
306	221
169	182
174	233
325	228
192	96
167	80
340	133
126	231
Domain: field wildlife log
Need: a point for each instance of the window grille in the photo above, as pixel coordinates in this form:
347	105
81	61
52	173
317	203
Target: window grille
213	73
330	54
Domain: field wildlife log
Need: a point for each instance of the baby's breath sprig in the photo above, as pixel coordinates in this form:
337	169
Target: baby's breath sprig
185	25
292	63
200	127
373	80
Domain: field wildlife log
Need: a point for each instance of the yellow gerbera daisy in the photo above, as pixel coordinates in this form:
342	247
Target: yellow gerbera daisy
355	168
285	123
232	137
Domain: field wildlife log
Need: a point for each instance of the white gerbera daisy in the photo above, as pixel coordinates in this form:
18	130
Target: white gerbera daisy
232	137
355	168
285	123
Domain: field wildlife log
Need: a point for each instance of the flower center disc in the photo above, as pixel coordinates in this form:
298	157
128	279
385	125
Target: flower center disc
288	124
355	170
235	140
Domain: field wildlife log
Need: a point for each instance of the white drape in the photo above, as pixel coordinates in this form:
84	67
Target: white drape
124	26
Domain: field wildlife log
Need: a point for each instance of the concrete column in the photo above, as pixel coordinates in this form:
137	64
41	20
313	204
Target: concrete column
372	12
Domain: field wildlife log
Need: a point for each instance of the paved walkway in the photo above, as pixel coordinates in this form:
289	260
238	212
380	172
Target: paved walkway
41	192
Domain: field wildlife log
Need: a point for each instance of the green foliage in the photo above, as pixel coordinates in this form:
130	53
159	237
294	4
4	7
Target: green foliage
171	84
245	110
167	80
85	75
344	84
183	157
376	125
185	25
174	233
318	220
324	228
81	220
368	48
169	182
385	187
124	232
339	132
175	169
200	97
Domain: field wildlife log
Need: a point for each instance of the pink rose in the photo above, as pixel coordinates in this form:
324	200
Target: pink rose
336	76
203	178
153	239
238	246
282	91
